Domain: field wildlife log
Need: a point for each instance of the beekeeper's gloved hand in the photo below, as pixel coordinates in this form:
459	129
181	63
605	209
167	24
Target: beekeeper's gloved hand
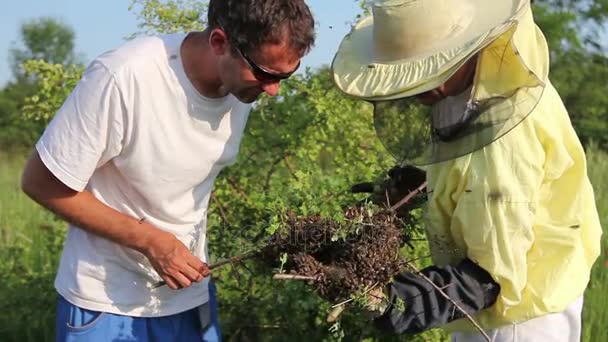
414	305
401	181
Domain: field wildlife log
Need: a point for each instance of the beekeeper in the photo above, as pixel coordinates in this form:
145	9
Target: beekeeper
462	87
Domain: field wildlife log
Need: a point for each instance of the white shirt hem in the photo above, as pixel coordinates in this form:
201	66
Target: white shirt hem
109	308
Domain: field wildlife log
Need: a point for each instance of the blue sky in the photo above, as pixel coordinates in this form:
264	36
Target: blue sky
102	25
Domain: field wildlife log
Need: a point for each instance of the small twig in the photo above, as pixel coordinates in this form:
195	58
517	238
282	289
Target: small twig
409	196
237	275
351	299
290	167
220	206
273	166
247	255
469	317
445	287
405	262
235	185
280	276
243	265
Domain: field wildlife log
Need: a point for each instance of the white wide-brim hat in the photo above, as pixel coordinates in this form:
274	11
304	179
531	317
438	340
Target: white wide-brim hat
408	47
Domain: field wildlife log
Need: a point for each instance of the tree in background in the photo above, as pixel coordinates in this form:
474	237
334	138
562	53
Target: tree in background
156	16
577	39
48	41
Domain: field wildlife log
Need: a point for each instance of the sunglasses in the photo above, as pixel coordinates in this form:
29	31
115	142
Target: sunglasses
260	73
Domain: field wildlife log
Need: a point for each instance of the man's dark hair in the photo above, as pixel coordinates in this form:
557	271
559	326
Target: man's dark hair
252	23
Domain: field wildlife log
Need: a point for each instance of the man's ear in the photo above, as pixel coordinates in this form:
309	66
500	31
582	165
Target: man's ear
218	41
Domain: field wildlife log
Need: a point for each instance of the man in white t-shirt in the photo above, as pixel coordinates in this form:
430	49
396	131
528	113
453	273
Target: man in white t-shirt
130	159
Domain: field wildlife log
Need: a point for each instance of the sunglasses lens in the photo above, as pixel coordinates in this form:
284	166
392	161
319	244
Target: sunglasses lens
263	76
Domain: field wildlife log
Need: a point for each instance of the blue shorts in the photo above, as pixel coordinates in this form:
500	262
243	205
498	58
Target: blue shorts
75	324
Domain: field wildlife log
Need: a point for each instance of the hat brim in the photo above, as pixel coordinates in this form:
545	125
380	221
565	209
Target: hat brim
357	73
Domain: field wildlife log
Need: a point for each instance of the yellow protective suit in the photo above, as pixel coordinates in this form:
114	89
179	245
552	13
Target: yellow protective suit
522	207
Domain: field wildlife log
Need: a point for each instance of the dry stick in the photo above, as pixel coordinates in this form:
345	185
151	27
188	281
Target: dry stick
247	255
280	276
240	257
409	196
469	317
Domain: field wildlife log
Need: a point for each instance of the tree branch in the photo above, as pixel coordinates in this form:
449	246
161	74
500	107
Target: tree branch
233	183
273	167
247	255
290	167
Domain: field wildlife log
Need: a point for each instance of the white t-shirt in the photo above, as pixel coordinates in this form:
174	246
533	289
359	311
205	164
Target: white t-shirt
137	134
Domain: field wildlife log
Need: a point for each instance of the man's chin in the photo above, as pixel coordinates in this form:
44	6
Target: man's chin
247	98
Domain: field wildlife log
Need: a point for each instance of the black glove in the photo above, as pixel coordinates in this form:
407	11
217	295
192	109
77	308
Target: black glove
401	181
415	306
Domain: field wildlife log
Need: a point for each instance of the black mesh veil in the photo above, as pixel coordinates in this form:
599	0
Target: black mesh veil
501	97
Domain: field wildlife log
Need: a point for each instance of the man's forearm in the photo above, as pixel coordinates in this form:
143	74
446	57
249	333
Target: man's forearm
84	210
170	257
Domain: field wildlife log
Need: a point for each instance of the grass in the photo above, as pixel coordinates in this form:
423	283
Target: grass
31	238
30	242
595	316
21	220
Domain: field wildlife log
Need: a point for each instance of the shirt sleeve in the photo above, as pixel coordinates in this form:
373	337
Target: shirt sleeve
87	131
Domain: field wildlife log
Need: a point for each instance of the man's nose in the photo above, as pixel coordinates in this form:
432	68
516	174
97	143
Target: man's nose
271	88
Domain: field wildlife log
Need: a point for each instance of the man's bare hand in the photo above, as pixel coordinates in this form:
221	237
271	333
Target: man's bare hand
174	262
